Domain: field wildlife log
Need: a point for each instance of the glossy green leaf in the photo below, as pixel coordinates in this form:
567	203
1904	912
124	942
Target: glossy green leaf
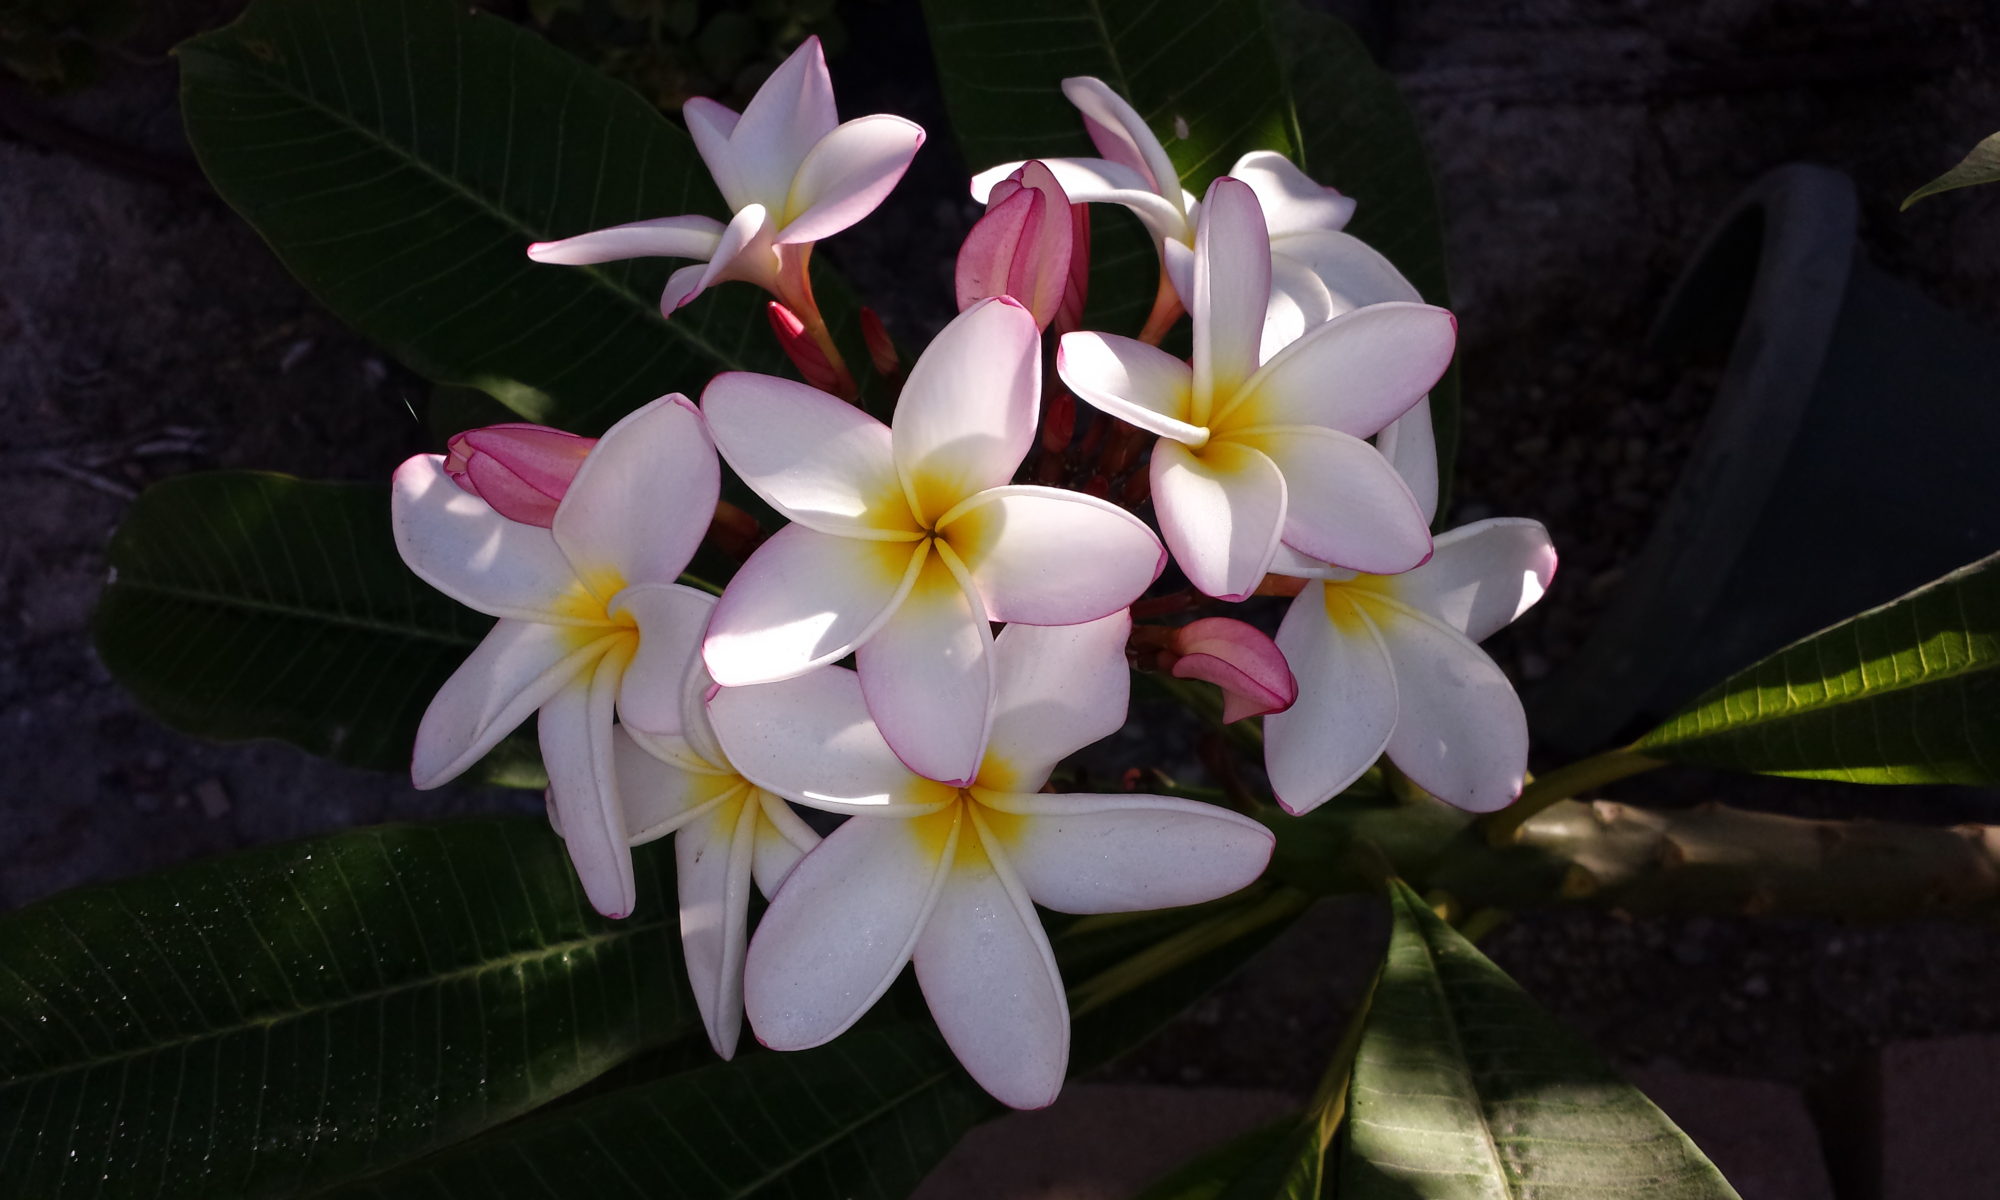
1465	1087
1982	165
400	157
1905	693
280	1020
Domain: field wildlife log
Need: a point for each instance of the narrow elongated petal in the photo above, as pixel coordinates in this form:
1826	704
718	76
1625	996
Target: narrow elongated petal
991	981
455	542
693	237
1410	444
967	413
1139	384
802	599
847	175
1460	733
1129	853
1291	200
1354	273
1344	503
576	737
820	461
1056	689
811	740
927	675
659	795
671	622
1047	556
1099	181
782	123
1122	135
1346	708
782	840
1239	659
642	500
839	932
514	671
1221	514
1355	374
1483	575
682	286
712	858
1232	286
711	124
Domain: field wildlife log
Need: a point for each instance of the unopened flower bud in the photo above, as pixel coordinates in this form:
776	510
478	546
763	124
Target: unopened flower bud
881	350
521	470
1239	659
1023	247
804	352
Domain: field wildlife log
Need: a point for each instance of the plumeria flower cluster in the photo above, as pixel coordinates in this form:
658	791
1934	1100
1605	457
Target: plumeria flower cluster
1291	455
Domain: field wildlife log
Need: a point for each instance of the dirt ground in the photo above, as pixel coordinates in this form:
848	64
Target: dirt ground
1582	150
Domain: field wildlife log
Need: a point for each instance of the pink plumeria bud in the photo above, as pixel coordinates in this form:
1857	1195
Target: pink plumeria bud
1069	313
1022	247
521	470
1058	421
1245	664
881	350
804	352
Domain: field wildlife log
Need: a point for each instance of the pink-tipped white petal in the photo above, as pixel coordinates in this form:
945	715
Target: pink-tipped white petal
711	124
712	857
1355	373
811	740
847	175
1410	445
1221	514
1056	689
1291	200
576	737
1344	503
967	413
991	981
782	840
455	542
1046	556
1232	287
820	461
1122	135
840	930
659	794
746	254
1098	181
804	598
513	672
664	237
927	675
1139	384
642	501
1483	575
1346	708
671	621
787	117
1460	733
1129	853
1353	272
1241	660
683	286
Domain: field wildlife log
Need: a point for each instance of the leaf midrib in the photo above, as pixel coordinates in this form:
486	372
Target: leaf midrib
1794	710
279	608
1434	983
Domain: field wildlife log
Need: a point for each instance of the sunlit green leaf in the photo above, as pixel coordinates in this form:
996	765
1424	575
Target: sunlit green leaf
1982	165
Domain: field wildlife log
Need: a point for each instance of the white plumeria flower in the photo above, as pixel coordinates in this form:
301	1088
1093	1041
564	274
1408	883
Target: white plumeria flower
790	173
1255	452
1392	663
909	540
949	876
591	624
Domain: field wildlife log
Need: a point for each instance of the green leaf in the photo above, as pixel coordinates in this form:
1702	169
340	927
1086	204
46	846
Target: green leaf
400	157
1982	165
1222	1173
1464	1087
1905	693
284	1019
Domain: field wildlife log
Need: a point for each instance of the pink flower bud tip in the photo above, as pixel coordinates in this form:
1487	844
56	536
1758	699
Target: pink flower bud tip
881	349
521	470
1239	659
1024	247
804	352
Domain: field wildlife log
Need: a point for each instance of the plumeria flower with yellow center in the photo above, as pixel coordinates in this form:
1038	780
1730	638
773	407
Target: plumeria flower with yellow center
908	538
1391	663
592	623
1256	452
949	876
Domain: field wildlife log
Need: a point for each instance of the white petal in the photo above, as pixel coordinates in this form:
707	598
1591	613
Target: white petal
811	740
1121	134
1221	514
710	124
746	253
1056	689
1052	557
1482	577
804	598
1298	302
991	982
455	542
659	793
782	123
1346	708
671	621
782	840
682	286
1355	373
1354	273
576	730
1410	445
1097	181
967	414
665	237
1139	384
1291	200
820	461
1232	287
927	674
643	498
1129	853
844	177
841	928
712	868
513	672
1460	732
1344	503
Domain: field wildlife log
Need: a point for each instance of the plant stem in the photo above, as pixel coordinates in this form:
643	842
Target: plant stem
1562	783
1166	310
1184	947
799	298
